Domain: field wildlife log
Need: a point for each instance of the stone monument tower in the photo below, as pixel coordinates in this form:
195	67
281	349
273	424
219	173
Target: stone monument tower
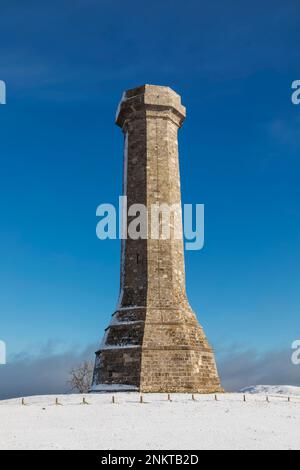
154	342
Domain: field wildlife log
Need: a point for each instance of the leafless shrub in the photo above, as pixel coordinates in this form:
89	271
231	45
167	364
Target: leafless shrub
81	377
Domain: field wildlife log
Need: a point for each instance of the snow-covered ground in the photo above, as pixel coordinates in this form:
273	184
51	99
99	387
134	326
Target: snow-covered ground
228	423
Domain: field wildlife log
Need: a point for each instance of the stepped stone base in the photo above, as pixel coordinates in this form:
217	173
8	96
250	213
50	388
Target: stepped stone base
154	350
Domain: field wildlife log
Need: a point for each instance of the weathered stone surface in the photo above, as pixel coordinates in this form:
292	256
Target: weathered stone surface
154	341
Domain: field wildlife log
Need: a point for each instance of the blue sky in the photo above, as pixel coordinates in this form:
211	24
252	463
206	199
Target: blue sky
66	64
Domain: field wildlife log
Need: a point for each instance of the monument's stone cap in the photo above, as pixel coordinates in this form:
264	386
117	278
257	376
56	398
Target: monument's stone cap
136	101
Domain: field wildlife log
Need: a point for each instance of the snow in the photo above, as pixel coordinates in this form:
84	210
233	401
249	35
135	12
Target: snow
115	322
112	387
103	342
119	346
273	390
133	307
124	97
105	346
228	423
124	221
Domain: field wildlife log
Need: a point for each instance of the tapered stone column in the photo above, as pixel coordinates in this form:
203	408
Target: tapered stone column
154	342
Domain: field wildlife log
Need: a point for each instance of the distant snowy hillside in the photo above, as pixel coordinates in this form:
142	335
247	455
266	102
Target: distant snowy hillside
273	390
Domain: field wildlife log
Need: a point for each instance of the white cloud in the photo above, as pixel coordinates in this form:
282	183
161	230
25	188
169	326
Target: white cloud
243	369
